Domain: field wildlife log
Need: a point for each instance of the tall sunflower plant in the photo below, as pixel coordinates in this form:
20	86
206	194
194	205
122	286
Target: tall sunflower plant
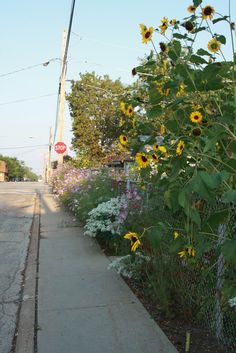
189	122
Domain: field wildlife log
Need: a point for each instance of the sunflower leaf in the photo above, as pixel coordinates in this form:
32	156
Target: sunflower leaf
221	39
203	52
179	36
219	19
229	196
197	60
196	3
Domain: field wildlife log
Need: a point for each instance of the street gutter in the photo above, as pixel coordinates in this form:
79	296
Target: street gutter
26	330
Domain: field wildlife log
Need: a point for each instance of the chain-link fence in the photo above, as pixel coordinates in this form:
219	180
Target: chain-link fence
203	287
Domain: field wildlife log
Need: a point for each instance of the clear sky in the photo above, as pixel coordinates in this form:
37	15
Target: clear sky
105	39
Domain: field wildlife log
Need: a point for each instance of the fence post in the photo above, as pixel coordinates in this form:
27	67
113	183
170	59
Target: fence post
219	284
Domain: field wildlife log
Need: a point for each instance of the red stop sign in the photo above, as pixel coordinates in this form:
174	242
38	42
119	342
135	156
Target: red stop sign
60	147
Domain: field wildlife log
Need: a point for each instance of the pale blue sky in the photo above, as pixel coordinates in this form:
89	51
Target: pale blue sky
106	40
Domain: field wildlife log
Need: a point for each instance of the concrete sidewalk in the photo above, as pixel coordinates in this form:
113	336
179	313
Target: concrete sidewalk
82	306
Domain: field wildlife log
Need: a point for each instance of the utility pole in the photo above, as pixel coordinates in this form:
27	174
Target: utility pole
61	108
49	163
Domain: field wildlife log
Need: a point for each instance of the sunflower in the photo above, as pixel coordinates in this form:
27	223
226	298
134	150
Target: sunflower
162	149
176	235
188	251
162	129
196	106
181	91
134	239
163	92
196	117
163	27
142	159
123	140
121	122
196	132
146	33
208	12
180	147
214	45
143	28
173	22
155	147
189	26
130	111
134	72
122	107
163	47
154	158
191	9
122	147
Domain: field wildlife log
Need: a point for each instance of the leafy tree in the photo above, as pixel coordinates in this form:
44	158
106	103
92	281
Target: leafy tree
17	169
94	107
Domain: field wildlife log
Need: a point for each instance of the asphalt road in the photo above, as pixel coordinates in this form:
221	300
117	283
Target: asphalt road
16	215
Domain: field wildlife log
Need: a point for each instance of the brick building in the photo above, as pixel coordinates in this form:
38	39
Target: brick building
3	171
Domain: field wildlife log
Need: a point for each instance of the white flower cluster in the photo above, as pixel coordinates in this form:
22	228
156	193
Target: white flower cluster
232	302
129	266
105	217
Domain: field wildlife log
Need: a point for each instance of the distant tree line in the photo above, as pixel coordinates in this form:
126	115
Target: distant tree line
17	170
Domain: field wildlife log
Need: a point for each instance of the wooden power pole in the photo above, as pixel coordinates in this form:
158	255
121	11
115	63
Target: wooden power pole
61	108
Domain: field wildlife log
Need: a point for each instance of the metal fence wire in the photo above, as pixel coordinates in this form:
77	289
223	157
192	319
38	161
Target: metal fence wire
213	309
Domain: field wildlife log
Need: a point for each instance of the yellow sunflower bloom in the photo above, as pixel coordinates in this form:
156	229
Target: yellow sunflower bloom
181	91
147	34
173	22
164	25
134	239
162	149
142	160
180	147
196	106
163	92
130	111
214	45
121	122
155	158
208	12
142	27
122	107
176	235
162	129
155	147
189	251
196	117
182	253
122	147
123	140
191	9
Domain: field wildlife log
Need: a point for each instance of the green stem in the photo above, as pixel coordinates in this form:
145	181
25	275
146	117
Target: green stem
227	129
217	160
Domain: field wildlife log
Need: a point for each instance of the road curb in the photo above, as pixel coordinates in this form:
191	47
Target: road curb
25	335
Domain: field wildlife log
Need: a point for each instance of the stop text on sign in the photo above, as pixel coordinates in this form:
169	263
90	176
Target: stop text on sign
60	147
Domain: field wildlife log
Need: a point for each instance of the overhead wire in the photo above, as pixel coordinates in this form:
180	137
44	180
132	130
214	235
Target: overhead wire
45	63
28	99
20	147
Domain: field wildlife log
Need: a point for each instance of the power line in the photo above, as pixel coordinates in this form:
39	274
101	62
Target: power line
104	43
19	147
28	99
46	63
